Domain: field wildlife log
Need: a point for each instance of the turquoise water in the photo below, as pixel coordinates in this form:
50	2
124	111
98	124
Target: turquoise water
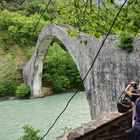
41	113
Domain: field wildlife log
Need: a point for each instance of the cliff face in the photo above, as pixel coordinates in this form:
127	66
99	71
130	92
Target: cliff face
112	70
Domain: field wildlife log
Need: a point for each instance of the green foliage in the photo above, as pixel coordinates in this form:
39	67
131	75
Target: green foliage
2	89
35	6
72	32
59	82
66	129
8	88
11	87
11	5
30	133
88	17
84	42
9	68
126	43
32	7
22	90
19	28
28	51
60	71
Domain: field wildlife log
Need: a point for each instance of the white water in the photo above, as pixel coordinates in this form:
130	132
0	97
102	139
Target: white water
41	113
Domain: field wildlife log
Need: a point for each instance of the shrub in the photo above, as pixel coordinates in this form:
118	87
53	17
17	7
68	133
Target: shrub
30	133
11	87
60	83
126	42
8	88
22	90
2	89
66	129
19	28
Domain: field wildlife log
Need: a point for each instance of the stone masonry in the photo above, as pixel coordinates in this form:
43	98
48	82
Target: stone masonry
110	126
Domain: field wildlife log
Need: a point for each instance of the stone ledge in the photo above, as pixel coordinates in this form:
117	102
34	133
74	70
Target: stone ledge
108	123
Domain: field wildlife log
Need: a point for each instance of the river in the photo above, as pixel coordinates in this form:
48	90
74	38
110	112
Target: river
41	113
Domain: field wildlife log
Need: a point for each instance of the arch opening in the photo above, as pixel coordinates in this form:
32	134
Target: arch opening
60	74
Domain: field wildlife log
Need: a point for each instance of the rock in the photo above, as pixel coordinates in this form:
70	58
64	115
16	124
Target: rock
47	91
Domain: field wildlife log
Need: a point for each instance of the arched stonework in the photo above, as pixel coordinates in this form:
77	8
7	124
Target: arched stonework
112	70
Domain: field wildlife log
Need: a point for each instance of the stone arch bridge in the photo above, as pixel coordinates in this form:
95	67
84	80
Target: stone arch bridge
111	71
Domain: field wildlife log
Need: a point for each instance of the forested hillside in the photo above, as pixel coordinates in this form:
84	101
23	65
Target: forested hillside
19	30
17	42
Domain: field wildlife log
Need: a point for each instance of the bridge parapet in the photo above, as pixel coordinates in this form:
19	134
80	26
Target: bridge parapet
111	126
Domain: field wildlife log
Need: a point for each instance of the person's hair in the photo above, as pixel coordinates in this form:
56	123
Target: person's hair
136	85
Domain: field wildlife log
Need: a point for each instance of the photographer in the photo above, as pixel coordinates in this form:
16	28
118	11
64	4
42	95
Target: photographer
135	92
135	97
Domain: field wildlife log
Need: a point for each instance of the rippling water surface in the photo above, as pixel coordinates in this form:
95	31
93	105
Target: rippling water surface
41	113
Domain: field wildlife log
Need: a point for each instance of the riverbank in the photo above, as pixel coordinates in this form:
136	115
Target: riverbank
7	98
46	91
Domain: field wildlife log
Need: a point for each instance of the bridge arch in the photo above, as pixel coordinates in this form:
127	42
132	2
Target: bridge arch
112	70
32	71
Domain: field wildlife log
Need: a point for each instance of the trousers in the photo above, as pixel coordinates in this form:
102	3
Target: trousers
136	131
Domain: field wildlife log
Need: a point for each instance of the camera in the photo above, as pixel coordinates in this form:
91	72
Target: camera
135	86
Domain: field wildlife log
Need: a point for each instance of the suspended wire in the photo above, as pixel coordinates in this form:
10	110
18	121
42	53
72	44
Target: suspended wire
124	25
42	14
18	2
21	2
108	10
136	33
98	13
86	73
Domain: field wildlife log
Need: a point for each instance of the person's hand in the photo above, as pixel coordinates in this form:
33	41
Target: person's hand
133	83
138	91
